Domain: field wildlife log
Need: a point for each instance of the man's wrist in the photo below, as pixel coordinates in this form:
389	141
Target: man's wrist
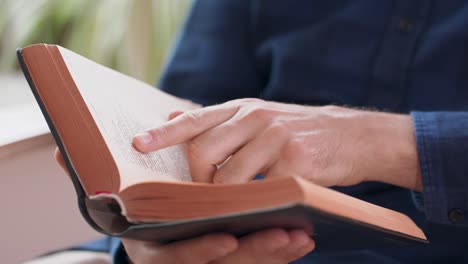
397	158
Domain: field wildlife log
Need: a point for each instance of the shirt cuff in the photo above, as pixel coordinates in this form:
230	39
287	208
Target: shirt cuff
442	143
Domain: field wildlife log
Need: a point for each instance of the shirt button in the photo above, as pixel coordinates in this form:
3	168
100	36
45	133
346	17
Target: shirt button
406	25
456	216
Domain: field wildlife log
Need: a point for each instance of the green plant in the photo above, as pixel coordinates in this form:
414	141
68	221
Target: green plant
130	36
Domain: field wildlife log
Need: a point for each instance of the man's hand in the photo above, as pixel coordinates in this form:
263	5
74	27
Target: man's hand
274	246
328	145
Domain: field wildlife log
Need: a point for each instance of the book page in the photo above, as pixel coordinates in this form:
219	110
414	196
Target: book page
122	107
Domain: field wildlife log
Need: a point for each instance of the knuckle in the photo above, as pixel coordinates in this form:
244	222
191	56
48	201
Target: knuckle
192	117
159	132
259	112
279	131
250	100
296	148
332	108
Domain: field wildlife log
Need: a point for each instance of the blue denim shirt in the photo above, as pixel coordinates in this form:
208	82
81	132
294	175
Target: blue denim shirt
400	56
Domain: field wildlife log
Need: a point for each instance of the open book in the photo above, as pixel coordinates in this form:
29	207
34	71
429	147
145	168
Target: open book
93	113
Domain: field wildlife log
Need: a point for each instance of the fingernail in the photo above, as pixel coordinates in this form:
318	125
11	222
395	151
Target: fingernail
144	138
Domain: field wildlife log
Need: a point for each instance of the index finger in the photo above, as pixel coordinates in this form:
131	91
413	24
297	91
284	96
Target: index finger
184	127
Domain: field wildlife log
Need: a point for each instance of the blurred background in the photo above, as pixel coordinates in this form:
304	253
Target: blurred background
130	36
39	211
